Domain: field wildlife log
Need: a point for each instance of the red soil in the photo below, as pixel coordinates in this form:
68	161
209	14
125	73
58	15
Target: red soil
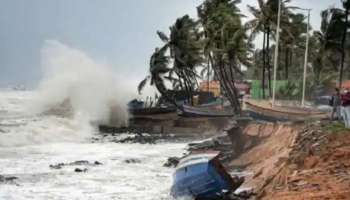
294	162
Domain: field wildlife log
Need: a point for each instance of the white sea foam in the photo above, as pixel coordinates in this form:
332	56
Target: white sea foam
115	179
29	144
92	88
19	127
31	139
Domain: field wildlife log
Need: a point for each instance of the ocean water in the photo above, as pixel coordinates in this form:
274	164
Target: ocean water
30	143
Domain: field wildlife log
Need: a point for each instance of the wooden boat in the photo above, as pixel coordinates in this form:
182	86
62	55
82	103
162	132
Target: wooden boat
262	110
202	177
207	111
152	110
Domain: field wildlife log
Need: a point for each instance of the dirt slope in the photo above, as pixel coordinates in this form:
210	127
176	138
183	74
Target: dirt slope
273	146
296	162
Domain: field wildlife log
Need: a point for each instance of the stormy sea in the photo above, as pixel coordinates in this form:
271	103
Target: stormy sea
49	151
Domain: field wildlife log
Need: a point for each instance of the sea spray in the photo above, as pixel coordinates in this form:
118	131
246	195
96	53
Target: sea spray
91	88
74	92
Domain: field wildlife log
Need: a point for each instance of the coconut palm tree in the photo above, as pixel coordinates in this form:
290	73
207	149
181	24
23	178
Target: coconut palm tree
326	60
158	68
226	45
293	40
265	19
330	25
185	47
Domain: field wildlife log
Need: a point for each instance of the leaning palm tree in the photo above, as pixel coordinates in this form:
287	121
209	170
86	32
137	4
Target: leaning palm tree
225	44
158	68
185	47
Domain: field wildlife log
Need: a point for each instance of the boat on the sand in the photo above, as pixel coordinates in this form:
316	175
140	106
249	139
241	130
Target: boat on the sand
138	107
201	176
205	111
151	110
263	110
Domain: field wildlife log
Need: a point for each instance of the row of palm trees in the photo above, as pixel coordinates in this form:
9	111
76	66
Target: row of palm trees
265	21
219	44
330	47
216	42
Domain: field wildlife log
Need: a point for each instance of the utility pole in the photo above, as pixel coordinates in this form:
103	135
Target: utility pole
306	58
276	53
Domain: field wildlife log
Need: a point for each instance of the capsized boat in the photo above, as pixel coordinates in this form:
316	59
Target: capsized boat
201	176
262	110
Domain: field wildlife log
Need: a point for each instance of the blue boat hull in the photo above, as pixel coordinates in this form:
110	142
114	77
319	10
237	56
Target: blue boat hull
200	181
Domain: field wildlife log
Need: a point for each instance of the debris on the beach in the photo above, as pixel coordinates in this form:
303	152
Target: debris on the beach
75	163
79	170
8	180
4	179
132	160
172	162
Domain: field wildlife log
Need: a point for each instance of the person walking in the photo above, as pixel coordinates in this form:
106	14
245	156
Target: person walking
345	108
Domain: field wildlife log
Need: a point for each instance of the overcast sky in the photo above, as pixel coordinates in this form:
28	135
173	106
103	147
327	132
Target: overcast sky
119	32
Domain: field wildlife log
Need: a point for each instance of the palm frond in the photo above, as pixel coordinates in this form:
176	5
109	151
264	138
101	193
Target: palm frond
142	84
163	36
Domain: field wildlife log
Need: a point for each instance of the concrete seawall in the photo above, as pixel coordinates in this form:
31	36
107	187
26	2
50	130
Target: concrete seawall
171	124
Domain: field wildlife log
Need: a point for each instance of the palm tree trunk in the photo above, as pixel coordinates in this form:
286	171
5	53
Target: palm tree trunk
220	73
268	59
264	67
208	76
290	59
229	90
234	90
231	83
212	64
187	86
279	61
180	80
286	63
224	84
343	47
164	92
192	84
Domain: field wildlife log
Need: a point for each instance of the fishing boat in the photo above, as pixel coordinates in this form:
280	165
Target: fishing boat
262	110
152	110
201	176
205	111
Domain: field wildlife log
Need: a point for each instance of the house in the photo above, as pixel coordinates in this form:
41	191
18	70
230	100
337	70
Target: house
214	87
345	84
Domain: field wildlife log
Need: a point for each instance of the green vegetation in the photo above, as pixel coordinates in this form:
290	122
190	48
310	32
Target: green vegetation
217	45
336	127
